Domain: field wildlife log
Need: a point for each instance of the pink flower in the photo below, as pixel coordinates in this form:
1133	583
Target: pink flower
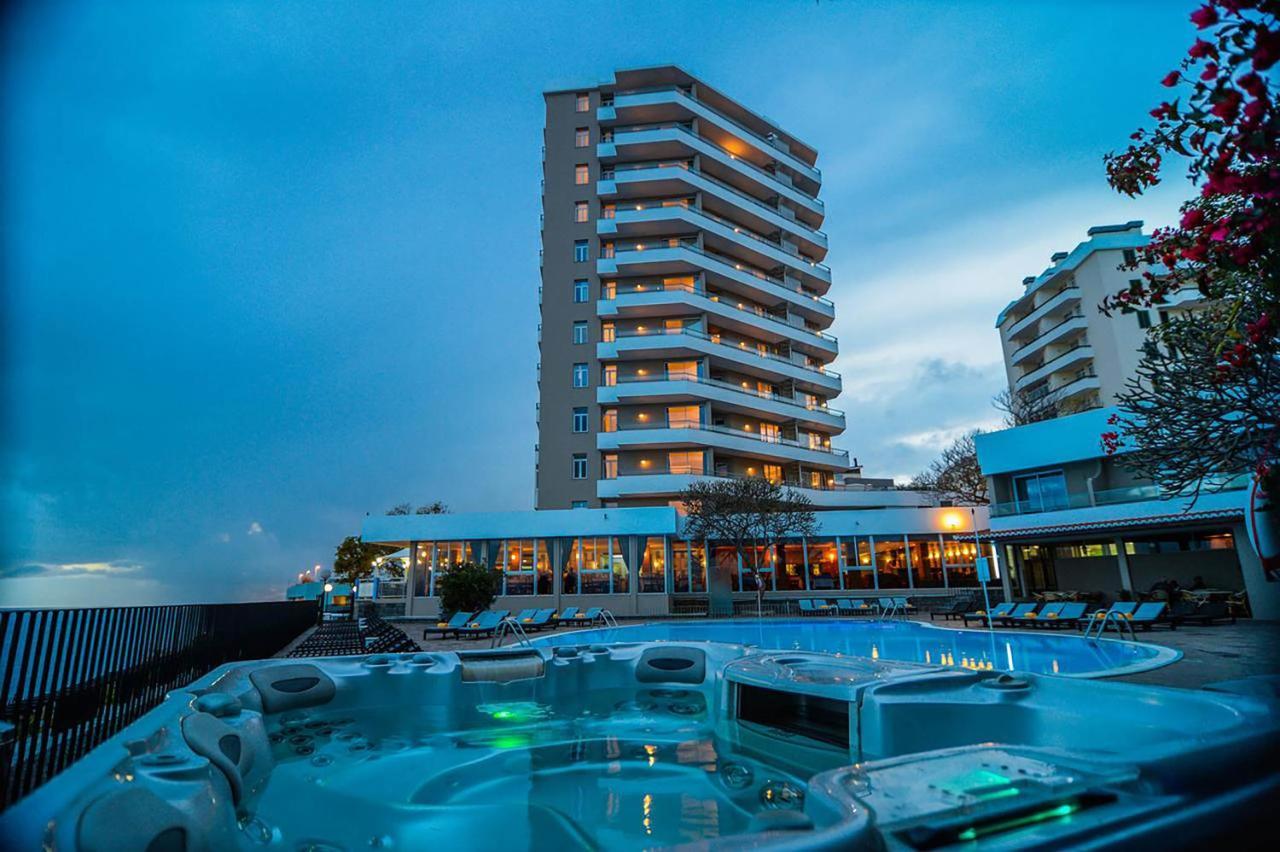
1201	49
1205	16
1193	218
1266	49
1170	80
1210	72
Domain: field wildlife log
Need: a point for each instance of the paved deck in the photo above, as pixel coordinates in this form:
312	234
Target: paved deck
1209	654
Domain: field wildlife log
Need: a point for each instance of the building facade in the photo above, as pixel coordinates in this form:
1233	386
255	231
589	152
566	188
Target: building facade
1069	516
1061	354
683	308
637	561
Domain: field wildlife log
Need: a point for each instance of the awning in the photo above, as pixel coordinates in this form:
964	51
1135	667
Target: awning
1178	518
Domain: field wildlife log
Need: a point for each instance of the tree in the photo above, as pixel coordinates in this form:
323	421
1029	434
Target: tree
1203	402
955	474
1022	408
436	508
353	558
468	587
748	514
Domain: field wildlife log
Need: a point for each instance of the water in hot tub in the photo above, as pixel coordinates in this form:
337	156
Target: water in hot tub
614	768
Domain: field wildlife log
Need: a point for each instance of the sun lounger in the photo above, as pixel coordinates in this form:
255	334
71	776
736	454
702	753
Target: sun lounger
1069	616
1149	614
589	617
807	607
1032	619
540	620
569	614
525	614
1018	611
957	609
483	625
861	607
997	612
444	628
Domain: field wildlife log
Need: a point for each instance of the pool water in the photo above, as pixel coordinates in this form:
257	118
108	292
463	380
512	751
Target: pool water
1040	652
613	769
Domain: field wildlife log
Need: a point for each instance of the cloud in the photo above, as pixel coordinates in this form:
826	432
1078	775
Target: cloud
69	569
224	537
255	528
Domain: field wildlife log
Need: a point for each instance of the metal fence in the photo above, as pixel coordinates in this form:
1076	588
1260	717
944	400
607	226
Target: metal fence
71	678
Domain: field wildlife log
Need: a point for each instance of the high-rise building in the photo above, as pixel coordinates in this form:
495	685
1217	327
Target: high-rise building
683	304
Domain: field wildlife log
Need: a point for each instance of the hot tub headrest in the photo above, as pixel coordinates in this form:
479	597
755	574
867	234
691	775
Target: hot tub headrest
225	747
134	819
674	664
291	686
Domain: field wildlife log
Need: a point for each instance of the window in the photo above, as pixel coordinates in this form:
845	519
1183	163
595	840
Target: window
578	504
1144	319
580	379
891	562
609	420
689	462
689	566
579	333
581	252
581	290
609	375
581	211
579	420
926	561
1130	257
582	102
608	332
595	566
773	473
684	417
682	371
581	137
581	174
610	466
653	567
607	249
790	571
859	572
770	432
579	469
1040	492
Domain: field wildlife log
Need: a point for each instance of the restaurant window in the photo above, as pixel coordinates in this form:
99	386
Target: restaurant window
685	462
653	567
610	462
859	570
579	333
891	562
580	420
520	563
824	564
959	558
581	137
581	290
791	571
422	568
688	566
684	417
592	567
726	564
581	174
609	420
581	211
926	561
582	102
758	565
1084	550
682	371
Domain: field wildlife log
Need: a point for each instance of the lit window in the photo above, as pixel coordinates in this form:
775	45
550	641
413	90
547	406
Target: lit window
607	249
579	420
685	462
610	470
581	174
608	333
581	290
684	417
682	371
609	211
579	332
770	432
582	103
609	421
581	252
579	466
773	473
610	375
580	375
581	211
581	137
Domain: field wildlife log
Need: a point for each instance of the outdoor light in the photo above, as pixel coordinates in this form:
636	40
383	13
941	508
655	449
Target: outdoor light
328	587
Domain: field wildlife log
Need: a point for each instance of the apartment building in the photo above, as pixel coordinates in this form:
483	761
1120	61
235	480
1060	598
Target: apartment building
1070	516
683	304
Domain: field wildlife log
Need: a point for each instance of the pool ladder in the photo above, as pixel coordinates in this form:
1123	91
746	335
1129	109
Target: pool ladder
608	618
890	612
509	626
1120	621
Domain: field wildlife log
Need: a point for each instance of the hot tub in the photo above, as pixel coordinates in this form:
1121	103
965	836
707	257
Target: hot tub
639	745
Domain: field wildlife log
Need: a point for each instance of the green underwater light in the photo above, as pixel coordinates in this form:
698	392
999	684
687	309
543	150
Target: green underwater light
977	831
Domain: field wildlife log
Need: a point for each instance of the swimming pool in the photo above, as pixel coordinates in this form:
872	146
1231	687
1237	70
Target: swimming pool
1041	652
700	746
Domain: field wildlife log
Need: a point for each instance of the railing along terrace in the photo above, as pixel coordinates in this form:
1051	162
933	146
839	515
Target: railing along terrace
749	391
72	678
737	433
755	310
723	341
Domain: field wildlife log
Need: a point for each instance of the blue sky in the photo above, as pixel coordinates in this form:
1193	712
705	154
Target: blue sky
271	266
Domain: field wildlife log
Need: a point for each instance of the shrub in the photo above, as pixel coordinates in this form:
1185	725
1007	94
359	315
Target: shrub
468	587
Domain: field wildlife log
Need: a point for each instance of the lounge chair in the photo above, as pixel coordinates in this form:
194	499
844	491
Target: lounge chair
825	606
1119	608
540	619
1048	612
1018	611
1069	616
569	614
1149	614
807	607
857	606
525	614
483	625
1188	612
444	628
589	617
957	609
980	615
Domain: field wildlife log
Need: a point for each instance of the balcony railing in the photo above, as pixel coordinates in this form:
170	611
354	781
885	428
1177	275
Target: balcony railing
747	391
1040	310
790	482
737	433
702	335
755	312
1013	356
1107	497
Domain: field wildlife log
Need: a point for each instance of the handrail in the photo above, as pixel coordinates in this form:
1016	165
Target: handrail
509	625
789	483
1013	356
688	167
1026	377
1109	617
738	433
702	335
1043	306
608	618
689	288
773	396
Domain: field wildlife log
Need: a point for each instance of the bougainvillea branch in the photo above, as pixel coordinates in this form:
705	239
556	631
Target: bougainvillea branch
1224	122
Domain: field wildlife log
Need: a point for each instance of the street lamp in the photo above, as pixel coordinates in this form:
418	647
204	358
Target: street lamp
324	599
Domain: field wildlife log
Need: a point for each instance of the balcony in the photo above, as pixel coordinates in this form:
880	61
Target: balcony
1070	323
662	484
673	103
663	257
647	180
725	438
1062	361
680	299
676	140
1229	486
1068	295
662	343
727	395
